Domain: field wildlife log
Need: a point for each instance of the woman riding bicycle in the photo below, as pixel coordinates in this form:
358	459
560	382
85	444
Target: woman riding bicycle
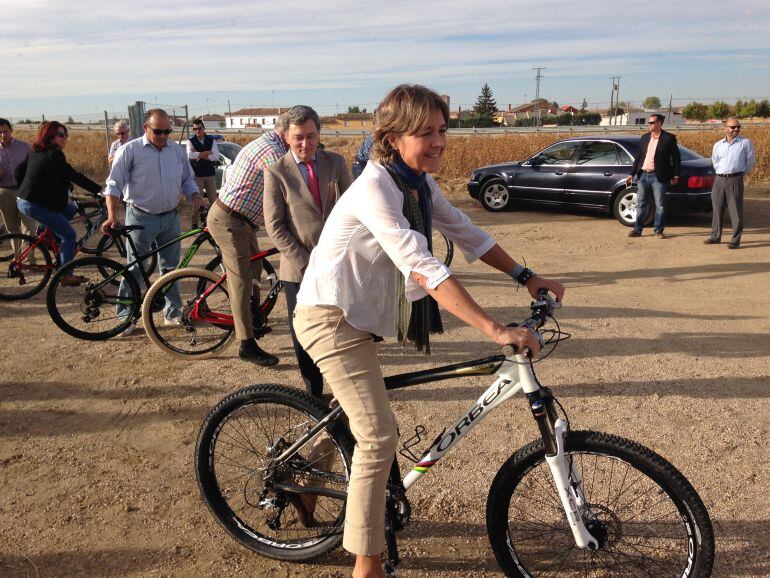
45	179
348	294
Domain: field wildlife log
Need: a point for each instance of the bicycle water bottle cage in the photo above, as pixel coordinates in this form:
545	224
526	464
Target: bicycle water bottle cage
406	448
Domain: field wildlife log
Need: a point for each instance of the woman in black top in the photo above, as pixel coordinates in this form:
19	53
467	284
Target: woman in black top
45	179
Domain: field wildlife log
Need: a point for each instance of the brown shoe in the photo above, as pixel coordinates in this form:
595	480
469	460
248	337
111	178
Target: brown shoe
660	235
711	241
73	280
635	233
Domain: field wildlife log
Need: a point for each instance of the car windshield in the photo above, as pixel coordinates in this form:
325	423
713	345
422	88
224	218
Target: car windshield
229	149
689	155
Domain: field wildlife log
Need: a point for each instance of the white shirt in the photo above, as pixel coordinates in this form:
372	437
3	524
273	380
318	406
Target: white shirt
193	155
733	157
366	234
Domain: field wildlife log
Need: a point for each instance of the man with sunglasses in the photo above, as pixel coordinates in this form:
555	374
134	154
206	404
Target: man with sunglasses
122	134
732	157
203	154
150	174
658	161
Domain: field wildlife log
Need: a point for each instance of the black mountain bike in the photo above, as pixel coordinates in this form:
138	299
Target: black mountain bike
570	503
89	310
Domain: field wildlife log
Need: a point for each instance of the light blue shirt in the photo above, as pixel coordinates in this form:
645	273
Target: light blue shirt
733	157
303	168
149	178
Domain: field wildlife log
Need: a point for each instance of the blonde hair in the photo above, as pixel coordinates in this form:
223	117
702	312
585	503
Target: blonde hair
404	111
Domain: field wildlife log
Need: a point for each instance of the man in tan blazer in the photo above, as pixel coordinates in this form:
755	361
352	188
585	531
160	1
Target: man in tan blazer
300	192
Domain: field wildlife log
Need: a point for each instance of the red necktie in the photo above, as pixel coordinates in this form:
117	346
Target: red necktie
312	184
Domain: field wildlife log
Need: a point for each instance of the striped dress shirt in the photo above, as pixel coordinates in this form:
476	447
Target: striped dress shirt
244	190
150	179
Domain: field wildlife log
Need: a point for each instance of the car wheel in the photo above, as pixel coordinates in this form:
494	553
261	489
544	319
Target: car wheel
494	196
624	208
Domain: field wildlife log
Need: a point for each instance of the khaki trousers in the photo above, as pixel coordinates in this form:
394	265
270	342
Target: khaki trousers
209	184
238	242
347	358
15	221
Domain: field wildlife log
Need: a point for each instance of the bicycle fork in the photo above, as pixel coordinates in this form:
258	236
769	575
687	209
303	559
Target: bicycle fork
569	485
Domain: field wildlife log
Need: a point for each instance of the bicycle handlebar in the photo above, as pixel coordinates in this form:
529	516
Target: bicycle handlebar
542	309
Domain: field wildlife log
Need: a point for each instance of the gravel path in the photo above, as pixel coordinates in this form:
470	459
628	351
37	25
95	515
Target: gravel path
670	347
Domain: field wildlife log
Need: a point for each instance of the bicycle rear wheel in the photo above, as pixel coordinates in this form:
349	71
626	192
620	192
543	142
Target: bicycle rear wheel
647	517
25	267
249	495
198	335
89	310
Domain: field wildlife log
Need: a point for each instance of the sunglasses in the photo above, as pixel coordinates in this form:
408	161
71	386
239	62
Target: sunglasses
197	128
123	132
652	122
160	131
62	134
736	127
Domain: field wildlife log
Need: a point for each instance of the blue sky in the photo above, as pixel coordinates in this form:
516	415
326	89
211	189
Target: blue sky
62	58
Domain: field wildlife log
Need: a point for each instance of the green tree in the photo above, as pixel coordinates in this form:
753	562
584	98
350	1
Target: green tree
651	102
746	109
485	104
763	108
584	106
353	110
720	110
70	120
696	111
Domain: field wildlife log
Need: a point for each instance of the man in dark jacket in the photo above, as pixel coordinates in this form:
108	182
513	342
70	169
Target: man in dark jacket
204	156
658	162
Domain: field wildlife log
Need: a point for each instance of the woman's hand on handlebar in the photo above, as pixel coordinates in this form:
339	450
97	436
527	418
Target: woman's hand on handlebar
520	337
536	283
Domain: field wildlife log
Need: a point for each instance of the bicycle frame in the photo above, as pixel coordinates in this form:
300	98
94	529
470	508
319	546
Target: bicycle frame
226	320
514	375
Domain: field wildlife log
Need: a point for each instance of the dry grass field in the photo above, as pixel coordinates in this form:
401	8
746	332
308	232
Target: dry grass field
86	150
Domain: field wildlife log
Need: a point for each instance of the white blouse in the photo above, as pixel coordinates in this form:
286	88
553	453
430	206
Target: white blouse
365	235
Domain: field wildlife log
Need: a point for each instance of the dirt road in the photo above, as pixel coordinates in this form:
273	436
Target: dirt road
670	347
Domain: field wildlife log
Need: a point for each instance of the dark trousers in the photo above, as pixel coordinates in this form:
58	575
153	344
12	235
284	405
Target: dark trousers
311	375
727	193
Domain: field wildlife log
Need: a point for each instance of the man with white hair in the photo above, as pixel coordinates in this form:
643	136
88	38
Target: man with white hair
122	134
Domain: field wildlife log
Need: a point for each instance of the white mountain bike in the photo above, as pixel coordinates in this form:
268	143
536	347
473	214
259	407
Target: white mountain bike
571	503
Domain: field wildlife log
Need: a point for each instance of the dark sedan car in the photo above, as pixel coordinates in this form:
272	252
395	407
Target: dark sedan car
589	172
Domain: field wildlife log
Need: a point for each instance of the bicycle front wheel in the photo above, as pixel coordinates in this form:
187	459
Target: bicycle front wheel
443	248
89	310
207	319
25	267
647	517
249	494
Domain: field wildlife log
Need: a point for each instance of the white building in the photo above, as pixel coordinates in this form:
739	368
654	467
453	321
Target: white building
639	118
253	117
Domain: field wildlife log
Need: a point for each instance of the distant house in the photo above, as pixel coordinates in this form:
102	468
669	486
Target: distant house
350	120
213	120
527	111
460	114
639	118
568	108
253	117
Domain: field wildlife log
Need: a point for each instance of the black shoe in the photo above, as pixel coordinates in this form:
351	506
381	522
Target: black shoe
262	331
635	233
734	245
250	351
711	241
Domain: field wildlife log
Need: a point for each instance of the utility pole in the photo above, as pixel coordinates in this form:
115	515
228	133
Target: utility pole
616	96
670	100
537	95
272	93
230	113
538	76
